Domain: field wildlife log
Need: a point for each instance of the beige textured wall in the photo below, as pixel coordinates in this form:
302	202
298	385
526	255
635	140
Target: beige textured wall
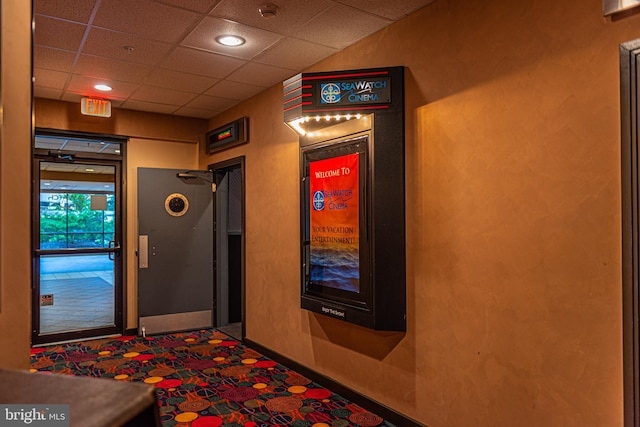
513	220
15	167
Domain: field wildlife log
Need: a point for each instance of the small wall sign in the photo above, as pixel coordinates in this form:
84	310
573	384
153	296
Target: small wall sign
46	299
227	136
95	107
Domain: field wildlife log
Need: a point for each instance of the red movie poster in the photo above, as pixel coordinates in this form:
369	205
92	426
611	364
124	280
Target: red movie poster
334	232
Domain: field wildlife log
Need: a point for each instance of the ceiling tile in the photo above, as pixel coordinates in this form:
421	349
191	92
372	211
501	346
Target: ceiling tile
200	6
47	93
112	44
203	37
49	78
260	75
84	85
162	95
295	54
202	63
57	33
53	59
203	79
341	26
213	103
148	106
291	13
72	10
234	90
146	18
196	112
388	9
111	69
179	80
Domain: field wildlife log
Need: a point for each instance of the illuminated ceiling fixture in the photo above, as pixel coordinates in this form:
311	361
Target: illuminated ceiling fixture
229	40
104	88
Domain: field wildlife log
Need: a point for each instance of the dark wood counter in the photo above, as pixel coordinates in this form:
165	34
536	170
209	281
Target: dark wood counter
95	402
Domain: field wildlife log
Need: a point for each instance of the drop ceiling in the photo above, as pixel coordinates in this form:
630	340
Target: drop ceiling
161	56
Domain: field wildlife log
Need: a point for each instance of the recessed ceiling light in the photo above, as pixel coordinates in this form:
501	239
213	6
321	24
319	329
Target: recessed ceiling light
229	40
104	88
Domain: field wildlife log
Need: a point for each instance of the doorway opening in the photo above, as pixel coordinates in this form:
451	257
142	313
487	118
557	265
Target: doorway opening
77	230
229	247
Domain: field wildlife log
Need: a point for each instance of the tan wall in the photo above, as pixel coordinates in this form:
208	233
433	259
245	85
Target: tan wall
513	220
155	141
52	114
15	202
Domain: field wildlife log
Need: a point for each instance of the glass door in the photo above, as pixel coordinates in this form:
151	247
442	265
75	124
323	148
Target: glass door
77	262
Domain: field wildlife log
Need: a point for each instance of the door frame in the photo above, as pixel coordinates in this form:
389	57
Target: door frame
629	149
226	165
118	161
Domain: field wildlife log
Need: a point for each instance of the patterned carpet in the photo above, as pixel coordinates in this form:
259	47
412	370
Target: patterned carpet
208	379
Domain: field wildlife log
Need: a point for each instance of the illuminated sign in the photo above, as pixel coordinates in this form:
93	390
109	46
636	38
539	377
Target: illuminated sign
95	107
335	244
227	136
362	91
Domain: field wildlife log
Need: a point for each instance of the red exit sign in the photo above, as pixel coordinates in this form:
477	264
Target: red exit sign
95	107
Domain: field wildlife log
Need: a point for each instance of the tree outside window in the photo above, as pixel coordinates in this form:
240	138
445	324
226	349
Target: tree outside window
67	221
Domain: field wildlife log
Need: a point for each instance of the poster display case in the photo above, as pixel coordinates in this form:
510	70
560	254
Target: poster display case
352	202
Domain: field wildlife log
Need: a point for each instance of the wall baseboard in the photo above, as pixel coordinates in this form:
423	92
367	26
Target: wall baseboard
355	397
131	331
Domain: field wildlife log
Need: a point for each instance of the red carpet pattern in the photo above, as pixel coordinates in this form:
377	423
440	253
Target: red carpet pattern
207	379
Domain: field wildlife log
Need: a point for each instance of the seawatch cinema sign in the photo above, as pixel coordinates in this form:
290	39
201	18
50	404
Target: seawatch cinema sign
372	90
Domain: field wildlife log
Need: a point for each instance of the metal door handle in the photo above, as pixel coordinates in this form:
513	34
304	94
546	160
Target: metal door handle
116	249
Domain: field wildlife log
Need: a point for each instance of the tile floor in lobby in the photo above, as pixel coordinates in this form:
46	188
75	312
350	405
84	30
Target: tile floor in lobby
82	289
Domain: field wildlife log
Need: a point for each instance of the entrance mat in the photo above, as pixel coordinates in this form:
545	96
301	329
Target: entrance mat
208	379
